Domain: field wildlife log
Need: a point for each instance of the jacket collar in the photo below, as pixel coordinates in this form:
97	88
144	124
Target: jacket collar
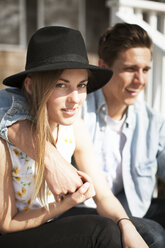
100	101
101	105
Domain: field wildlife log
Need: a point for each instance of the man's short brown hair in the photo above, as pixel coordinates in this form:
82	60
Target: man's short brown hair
121	37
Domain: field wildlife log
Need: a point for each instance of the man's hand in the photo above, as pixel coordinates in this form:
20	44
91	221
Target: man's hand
61	176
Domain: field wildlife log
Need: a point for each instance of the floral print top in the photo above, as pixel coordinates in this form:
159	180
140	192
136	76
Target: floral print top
23	169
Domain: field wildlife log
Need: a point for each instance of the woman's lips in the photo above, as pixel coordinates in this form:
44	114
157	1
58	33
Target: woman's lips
70	111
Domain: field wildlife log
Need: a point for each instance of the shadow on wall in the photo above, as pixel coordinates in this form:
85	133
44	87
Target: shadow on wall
11	62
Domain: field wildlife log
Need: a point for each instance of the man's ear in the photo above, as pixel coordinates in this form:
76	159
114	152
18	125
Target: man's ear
102	64
27	85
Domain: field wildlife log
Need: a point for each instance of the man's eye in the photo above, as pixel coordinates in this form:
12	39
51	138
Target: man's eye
146	69
130	69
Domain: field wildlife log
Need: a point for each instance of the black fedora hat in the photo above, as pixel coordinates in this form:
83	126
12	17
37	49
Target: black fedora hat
55	48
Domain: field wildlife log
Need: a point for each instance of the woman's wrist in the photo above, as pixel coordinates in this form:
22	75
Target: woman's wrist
123	219
126	225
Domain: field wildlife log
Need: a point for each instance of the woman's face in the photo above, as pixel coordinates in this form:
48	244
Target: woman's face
67	96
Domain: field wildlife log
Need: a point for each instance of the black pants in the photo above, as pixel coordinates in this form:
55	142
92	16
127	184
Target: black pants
156	211
82	231
152	232
82	227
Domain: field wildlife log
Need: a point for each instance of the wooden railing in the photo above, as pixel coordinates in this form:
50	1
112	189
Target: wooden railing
151	16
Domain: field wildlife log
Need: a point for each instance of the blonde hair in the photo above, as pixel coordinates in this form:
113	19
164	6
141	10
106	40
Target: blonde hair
42	84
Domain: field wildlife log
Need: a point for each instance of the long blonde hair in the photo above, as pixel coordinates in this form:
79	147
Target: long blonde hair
42	84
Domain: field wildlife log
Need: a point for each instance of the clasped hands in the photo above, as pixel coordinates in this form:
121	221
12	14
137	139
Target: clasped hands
64	180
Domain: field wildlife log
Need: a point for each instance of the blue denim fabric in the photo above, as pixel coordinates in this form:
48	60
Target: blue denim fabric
13	107
144	152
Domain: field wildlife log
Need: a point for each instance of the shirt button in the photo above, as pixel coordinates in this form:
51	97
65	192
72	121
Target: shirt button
103	108
102	128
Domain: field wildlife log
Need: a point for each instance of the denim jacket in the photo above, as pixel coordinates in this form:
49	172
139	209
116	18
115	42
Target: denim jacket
144	151
143	155
13	107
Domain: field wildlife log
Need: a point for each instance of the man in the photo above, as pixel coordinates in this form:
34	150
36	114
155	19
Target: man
59	176
129	137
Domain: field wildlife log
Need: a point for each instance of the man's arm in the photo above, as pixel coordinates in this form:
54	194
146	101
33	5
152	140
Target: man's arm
61	176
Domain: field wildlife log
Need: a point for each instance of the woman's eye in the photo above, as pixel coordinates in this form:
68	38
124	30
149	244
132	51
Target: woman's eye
60	85
82	85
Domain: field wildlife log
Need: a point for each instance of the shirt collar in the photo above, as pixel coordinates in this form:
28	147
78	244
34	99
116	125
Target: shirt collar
101	105
100	100
130	116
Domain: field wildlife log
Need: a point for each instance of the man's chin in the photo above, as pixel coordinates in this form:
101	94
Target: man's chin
131	102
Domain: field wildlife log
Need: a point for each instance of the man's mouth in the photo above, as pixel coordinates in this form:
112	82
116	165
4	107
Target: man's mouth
132	91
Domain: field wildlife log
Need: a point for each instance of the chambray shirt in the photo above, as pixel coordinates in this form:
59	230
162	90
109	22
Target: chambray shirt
143	155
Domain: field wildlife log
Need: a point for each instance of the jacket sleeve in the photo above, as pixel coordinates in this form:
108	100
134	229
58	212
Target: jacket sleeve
13	107
161	152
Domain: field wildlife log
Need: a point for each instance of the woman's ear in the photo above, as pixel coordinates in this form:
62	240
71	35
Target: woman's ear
27	85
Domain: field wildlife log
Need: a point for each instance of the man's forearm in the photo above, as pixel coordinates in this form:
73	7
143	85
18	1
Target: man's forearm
61	176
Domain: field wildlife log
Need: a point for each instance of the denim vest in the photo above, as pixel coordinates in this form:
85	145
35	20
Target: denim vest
143	155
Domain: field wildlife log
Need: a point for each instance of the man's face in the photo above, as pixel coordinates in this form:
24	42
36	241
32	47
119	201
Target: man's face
130	75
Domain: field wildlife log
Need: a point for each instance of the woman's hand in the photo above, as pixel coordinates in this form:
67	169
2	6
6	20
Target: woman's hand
85	192
130	237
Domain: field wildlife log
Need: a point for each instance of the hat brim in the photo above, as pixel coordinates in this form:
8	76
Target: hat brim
100	76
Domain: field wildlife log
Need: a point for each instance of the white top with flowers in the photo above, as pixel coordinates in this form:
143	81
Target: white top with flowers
23	169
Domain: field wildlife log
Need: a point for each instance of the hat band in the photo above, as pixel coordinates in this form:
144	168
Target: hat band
58	59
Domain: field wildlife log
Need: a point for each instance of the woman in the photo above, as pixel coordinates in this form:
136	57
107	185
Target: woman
55	82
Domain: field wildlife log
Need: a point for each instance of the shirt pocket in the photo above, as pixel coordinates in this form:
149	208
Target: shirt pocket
147	168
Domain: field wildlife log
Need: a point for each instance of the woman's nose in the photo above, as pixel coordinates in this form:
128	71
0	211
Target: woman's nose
73	96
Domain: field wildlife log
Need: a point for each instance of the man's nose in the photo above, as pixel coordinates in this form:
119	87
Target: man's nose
140	77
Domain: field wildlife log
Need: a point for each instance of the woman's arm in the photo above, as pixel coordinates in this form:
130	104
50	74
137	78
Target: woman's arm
86	160
11	220
61	176
107	204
